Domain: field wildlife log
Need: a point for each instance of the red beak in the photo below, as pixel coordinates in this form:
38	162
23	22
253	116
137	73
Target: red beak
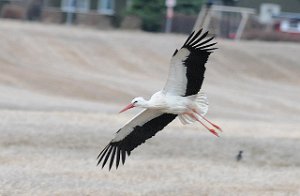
127	108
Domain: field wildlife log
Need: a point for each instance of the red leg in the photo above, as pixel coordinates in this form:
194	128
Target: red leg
195	118
214	125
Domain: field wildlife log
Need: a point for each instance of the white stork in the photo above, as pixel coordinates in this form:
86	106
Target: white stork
180	97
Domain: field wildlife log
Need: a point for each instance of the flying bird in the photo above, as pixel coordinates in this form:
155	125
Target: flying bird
180	97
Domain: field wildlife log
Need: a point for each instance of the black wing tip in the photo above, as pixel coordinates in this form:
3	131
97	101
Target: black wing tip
197	41
115	153
116	150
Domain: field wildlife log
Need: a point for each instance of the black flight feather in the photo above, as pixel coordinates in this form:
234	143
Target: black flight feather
103	153
206	46
194	39
188	39
175	52
112	157
137	136
123	156
118	157
107	156
195	61
206	41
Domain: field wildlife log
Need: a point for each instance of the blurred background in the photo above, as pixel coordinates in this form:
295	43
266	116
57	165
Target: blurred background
259	19
68	66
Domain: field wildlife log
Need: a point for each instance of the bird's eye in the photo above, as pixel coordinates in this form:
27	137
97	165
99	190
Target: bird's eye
135	102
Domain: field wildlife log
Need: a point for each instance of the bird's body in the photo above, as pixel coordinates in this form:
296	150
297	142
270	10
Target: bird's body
167	103
180	97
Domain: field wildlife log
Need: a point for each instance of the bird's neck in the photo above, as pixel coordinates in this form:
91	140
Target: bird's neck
146	104
152	104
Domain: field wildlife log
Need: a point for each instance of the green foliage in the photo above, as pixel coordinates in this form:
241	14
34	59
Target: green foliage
55	3
229	2
2	3
153	12
93	4
189	7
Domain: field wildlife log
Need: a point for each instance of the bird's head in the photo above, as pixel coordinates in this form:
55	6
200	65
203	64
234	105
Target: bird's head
136	102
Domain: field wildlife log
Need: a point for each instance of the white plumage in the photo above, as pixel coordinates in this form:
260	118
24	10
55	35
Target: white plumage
176	82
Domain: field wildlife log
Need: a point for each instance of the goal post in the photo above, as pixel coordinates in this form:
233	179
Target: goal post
207	13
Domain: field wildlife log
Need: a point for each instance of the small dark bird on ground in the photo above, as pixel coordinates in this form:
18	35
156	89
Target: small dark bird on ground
239	156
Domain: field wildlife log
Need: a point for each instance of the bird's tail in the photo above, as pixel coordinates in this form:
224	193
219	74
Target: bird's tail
201	103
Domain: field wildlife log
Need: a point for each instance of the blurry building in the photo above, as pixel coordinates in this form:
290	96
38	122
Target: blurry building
286	5
287	23
99	13
265	19
267	11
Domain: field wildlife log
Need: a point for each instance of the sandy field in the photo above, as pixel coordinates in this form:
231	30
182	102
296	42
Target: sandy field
61	89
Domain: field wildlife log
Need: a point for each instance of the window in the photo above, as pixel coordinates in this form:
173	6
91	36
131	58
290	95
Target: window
75	5
106	7
290	26
83	5
294	24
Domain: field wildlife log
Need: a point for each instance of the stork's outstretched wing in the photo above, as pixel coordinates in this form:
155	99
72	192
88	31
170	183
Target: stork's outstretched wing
142	127
187	68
